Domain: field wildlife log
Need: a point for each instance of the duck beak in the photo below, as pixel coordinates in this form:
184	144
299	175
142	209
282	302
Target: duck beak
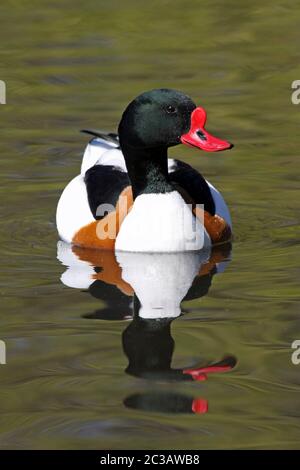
199	137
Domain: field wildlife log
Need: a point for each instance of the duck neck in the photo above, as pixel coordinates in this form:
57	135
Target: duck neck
148	170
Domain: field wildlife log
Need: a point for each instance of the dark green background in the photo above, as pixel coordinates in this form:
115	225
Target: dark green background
72	64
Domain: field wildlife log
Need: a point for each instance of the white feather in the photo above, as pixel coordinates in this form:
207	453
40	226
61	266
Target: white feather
161	223
93	151
113	157
73	210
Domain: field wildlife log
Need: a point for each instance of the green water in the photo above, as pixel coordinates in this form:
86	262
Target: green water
69	65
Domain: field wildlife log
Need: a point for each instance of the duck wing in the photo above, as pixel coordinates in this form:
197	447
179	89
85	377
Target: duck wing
104	184
193	183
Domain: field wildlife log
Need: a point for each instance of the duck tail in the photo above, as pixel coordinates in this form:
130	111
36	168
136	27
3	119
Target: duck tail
109	136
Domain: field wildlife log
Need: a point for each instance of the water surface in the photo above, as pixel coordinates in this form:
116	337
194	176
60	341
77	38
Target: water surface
69	66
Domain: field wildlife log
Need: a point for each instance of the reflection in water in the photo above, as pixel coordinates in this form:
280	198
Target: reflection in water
166	403
149	289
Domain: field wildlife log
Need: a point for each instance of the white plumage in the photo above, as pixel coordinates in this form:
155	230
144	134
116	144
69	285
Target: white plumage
161	223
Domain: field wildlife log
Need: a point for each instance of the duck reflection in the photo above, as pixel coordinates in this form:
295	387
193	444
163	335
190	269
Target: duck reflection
149	289
166	403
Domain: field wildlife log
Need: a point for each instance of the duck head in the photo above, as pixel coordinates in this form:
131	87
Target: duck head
163	118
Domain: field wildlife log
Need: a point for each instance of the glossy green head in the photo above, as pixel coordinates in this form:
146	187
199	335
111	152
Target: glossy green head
157	118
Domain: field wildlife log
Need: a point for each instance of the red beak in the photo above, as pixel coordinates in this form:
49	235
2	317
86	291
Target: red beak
199	137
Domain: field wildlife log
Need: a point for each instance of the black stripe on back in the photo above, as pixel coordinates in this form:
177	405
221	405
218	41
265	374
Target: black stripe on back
194	184
104	183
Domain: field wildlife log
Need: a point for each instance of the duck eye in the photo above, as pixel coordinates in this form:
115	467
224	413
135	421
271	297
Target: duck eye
171	109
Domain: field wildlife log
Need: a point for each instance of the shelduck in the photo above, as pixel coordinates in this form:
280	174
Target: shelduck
130	197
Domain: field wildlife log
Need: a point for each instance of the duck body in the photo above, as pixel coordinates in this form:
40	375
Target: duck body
130	197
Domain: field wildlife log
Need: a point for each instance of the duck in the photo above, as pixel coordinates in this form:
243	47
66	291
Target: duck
129	196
